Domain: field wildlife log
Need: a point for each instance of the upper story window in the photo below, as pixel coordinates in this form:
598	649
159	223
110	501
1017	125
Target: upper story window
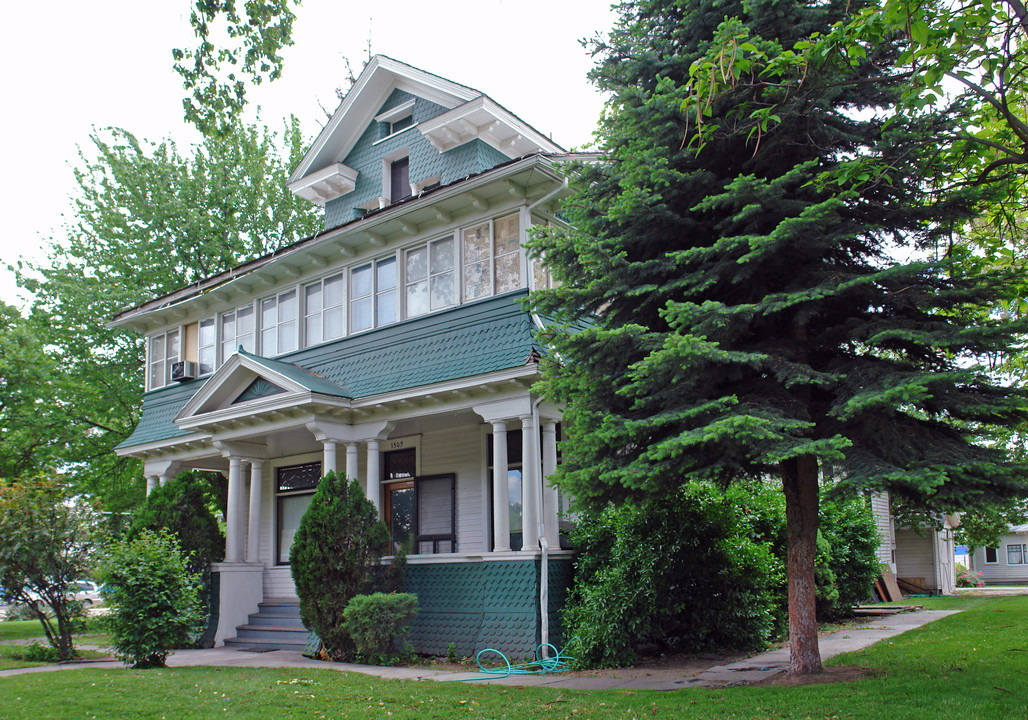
468	264
373	294
163	352
430	277
399	179
492	258
206	347
401	124
323	303
237	329
278	324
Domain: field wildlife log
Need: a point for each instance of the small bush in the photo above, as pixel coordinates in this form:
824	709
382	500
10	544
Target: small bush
339	539
969	578
33	652
153	597
378	624
849	527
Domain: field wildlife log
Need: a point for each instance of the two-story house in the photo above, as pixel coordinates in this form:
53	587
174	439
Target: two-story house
392	346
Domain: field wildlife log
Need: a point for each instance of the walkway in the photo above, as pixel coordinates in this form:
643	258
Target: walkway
751	670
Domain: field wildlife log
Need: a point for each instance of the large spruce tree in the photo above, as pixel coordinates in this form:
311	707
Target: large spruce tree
747	313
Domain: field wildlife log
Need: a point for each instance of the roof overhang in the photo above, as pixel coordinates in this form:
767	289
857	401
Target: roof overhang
484	120
380	77
326	184
535	180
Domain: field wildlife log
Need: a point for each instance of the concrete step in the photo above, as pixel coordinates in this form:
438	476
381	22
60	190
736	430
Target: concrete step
282	620
271	632
280	606
264	645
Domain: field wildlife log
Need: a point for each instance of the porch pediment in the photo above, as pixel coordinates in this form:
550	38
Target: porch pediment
248	383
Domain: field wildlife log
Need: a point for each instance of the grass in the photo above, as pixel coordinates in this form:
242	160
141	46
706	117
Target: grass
33	630
972	666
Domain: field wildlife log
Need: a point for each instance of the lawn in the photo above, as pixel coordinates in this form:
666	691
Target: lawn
971	666
32	629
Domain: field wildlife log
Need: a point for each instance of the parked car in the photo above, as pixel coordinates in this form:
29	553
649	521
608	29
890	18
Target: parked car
85	591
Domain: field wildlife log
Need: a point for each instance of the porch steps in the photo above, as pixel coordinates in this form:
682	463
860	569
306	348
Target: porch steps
276	626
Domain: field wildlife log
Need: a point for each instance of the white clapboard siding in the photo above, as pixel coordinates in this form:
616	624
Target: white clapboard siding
460	452
915	558
1001	571
883	521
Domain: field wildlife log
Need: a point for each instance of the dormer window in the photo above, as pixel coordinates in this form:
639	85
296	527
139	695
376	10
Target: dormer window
399	179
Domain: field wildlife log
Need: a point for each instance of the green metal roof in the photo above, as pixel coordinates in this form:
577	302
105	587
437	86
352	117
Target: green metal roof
465	341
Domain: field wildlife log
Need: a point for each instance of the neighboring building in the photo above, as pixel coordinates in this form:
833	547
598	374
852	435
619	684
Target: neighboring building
392	346
922	560
1006	564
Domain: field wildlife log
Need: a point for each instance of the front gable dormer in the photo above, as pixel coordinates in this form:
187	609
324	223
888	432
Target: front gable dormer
400	131
248	384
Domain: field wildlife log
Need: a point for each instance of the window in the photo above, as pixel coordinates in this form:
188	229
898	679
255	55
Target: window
991	555
492	258
420	511
163	352
373	294
324	318
430	277
278	324
399	179
1016	555
206	347
295	486
237	329
513	485
401	124
399	468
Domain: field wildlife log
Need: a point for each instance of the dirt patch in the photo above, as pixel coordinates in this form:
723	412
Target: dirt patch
840	673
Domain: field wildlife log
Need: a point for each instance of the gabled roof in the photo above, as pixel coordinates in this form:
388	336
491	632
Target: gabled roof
379	78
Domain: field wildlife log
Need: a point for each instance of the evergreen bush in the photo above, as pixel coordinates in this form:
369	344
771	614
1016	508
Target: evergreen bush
339	538
378	624
154	598
686	574
848	525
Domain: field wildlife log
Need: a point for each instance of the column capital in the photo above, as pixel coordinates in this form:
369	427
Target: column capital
504	409
243	450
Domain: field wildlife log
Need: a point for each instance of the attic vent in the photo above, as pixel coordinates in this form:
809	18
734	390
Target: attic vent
259	388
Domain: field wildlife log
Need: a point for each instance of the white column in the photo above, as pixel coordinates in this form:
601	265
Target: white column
529	491
253	538
151	484
551	511
501	512
163	479
233	535
374	476
351	460
329	463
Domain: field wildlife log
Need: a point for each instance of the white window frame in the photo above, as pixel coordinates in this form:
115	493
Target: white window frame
376	291
455	269
492	256
386	197
320	314
985	553
237	338
264	328
166	357
1022	551
212	348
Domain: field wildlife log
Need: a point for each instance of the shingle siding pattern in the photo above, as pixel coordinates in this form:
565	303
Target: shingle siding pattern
159	410
468	340
425	161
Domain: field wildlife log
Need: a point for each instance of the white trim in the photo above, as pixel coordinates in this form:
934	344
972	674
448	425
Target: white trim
485	120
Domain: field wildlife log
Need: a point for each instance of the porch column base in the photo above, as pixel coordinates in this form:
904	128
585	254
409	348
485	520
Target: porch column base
241	590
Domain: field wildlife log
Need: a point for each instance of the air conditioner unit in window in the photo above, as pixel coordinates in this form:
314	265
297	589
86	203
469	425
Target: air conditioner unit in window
183	370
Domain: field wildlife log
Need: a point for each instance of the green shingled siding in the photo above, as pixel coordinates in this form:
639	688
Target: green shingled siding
425	161
485	604
465	341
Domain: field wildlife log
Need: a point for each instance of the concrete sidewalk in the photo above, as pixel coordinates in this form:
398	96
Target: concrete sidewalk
751	670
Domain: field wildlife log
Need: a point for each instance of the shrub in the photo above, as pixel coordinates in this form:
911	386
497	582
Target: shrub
684	572
182	507
849	527
337	542
154	598
378	623
969	578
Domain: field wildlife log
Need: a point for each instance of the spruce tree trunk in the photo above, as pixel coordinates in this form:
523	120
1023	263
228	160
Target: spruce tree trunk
799	481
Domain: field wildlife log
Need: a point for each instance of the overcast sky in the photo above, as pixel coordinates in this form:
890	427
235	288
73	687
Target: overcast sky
74	65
